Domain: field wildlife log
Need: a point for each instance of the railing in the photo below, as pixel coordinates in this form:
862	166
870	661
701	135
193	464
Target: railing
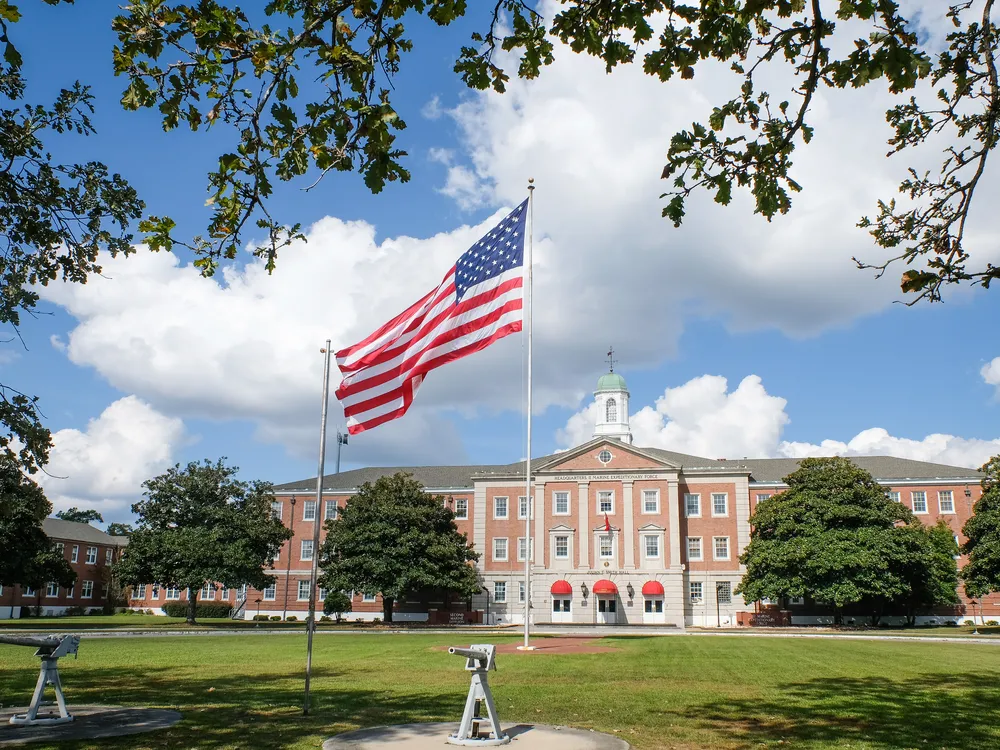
236	613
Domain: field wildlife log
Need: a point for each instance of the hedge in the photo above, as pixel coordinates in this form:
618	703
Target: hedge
180	609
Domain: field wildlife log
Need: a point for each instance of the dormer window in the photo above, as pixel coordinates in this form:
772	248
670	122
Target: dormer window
611	409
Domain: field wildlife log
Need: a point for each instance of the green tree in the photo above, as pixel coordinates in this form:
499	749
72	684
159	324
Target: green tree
80	516
981	573
199	525
834	536
337	603
394	539
119	529
935	582
29	557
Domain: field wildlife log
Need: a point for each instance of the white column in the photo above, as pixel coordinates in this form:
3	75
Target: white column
628	533
584	541
742	503
675	522
541	538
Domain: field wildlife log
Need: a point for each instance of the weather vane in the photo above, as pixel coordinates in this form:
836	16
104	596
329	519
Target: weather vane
611	358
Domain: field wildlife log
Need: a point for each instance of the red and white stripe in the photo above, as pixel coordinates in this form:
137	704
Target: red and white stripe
383	371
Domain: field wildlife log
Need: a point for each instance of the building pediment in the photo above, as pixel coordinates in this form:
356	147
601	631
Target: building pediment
605	456
652	527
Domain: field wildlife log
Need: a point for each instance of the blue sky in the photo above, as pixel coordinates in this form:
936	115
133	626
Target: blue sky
198	369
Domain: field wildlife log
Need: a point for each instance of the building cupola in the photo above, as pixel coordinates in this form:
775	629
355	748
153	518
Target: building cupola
612	405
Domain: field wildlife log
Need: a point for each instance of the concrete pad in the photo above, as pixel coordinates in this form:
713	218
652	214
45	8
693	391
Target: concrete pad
89	723
434	736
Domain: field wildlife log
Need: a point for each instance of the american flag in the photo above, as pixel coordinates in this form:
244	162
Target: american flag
478	302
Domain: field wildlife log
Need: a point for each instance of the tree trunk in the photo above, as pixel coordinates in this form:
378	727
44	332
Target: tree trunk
387	602
838	616
192	606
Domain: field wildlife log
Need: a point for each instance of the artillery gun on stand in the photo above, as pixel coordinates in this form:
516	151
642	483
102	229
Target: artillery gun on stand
49	650
479	659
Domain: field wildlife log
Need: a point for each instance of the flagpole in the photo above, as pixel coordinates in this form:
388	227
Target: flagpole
311	619
527	479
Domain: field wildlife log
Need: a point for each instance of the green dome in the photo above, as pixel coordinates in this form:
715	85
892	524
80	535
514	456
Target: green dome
611	381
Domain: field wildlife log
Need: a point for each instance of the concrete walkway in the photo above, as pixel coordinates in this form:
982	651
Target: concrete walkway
433	736
89	723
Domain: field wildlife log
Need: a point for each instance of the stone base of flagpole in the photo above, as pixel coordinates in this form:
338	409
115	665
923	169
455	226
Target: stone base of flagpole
433	737
525	648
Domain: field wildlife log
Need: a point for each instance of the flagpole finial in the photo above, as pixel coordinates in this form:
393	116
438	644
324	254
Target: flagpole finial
531	183
611	358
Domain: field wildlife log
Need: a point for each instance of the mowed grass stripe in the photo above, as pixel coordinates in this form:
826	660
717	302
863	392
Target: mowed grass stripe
676	692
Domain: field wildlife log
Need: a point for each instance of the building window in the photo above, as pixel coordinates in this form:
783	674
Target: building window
894	496
724	592
611	410
330	510
605	457
52	590
500	591
720	504
720	546
104	590
654	605
520	592
562	605
108	556
605	501
306	551
796	600
919	501
500	548
59	548
522	508
368	597
87	590
462	509
155	592
946	501
241	592
692	505
762	496
27	591
172	593
276	509
91	555
270	592
695	591
650	501
75	554
521	546
303	592
694	548
139	592
561	504
207	592
607	546
499	507
652	544
562	547
309	510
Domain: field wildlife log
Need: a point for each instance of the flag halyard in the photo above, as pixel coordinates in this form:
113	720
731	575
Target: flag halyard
478	302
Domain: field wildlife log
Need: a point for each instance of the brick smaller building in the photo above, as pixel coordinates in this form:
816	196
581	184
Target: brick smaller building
89	551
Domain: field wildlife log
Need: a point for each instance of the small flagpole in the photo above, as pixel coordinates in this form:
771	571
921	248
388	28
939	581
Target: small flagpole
527	478
311	619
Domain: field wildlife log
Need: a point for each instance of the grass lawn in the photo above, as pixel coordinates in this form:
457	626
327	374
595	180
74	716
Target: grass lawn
675	692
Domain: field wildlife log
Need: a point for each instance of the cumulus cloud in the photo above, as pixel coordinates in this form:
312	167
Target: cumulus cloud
702	417
103	467
991	372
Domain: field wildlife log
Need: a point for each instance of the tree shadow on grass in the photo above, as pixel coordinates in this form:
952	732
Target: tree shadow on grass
957	712
231	711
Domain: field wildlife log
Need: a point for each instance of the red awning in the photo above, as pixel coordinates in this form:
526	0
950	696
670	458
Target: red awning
652	588
604	586
562	588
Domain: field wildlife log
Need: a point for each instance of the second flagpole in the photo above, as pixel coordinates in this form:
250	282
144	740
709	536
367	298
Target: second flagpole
527	478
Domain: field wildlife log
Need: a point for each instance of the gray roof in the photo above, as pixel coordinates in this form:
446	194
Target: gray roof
767	470
57	528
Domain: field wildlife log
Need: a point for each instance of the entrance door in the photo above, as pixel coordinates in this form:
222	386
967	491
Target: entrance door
607	610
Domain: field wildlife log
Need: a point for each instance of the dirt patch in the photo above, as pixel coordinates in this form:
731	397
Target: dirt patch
556	645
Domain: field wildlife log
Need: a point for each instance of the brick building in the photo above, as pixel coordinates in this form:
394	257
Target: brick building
89	551
621	534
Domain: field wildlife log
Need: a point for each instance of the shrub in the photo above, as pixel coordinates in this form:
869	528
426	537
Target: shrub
275	618
992	622
324	618
180	609
951	623
970	623
260	618
73	611
291	618
96	612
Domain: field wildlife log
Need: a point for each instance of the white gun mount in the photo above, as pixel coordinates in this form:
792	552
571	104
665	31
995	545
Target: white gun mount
479	659
49	649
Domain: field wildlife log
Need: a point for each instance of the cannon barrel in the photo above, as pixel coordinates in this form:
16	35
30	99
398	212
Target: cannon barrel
468	653
45	641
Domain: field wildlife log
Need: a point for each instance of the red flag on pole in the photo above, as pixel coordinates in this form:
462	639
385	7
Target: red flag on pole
607	523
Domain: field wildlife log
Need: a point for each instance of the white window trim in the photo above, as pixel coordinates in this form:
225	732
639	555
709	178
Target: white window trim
643	501
506	500
172	594
327	505
729	552
701	548
606	535
302	550
555	546
762	496
273	588
496	599
645	548
530	508
521	544
691	597
712	500
506	549
306	504
913	503
717	596
941	509
598	499
277	508
83	590
555	504
95	551
464	516
75	553
298	591
686	513
48	588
